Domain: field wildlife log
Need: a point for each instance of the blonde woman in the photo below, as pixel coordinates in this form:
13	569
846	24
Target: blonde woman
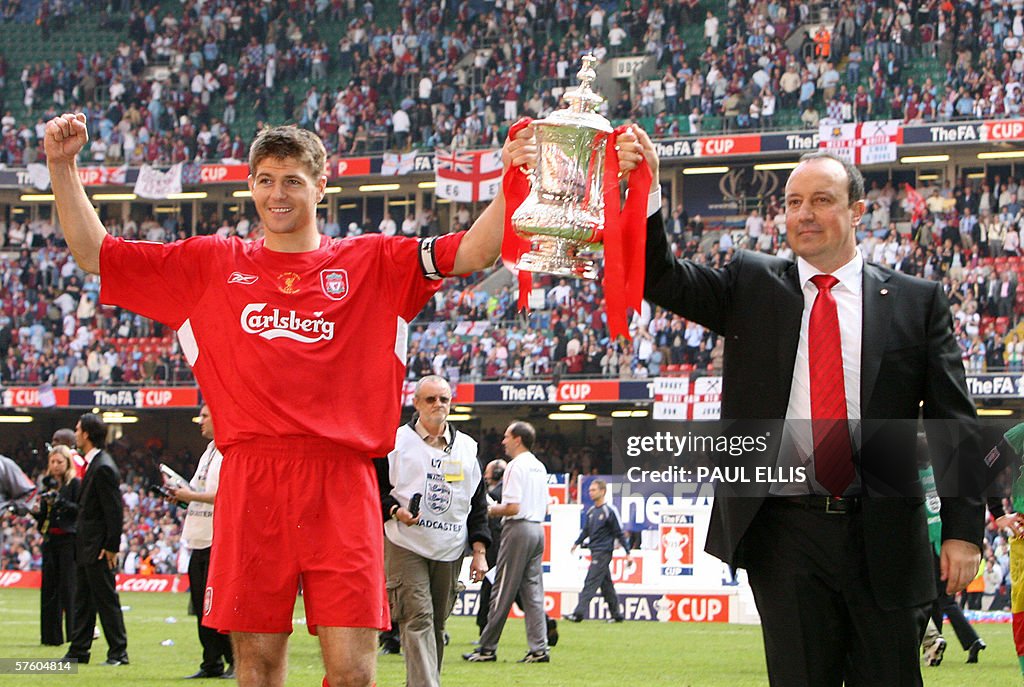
58	509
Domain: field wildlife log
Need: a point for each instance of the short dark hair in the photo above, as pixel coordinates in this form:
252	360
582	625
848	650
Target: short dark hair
525	431
282	142
855	189
95	429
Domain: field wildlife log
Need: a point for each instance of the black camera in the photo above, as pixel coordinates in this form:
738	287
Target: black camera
51	489
159	490
414	504
163	492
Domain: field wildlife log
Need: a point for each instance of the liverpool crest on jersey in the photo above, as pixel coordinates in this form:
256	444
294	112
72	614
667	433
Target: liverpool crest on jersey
334	283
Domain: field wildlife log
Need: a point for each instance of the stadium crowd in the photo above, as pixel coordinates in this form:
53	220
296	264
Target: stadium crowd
439	76
52	329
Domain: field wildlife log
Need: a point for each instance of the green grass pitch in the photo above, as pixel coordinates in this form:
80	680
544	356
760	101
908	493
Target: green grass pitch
593	654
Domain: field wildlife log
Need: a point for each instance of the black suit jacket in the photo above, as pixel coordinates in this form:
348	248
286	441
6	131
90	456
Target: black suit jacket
100	510
909	361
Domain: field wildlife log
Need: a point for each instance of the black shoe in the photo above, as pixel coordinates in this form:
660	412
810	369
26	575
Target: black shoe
81	660
391	649
552	631
52	643
978	646
536	657
480	656
228	674
573	618
202	674
615	620
113	662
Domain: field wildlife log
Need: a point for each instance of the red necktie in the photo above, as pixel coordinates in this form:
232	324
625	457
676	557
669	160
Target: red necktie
833	460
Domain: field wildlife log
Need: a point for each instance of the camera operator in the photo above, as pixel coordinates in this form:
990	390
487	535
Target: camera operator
56	515
15	491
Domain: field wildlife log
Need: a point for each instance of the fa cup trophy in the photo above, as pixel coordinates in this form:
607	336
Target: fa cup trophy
563	216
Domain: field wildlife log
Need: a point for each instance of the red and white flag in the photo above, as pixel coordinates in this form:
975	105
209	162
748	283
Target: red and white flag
917	204
467	176
866	143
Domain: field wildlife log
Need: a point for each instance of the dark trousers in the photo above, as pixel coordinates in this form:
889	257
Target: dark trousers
96	593
821	624
216	646
57	594
484	605
599	577
945	605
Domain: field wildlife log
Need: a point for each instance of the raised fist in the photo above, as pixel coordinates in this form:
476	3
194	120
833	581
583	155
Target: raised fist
66	135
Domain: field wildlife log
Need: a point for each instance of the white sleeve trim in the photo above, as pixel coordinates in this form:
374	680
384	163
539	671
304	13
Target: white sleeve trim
189	345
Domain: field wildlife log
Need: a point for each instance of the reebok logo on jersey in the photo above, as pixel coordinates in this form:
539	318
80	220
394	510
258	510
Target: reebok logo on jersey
239	278
289	325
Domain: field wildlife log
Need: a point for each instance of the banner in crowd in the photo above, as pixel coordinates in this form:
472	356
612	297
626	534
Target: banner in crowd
393	163
467	176
154	184
663	608
32	579
866	143
680	398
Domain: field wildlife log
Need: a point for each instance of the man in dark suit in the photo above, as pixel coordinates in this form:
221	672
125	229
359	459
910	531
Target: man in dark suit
100	520
840	564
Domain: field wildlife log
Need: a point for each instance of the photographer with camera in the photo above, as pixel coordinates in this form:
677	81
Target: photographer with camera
434	505
197	533
56	515
15	491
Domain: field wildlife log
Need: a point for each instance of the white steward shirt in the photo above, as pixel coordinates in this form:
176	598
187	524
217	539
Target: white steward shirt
526	483
197	532
446	476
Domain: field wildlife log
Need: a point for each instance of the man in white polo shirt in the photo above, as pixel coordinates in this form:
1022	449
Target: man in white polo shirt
524	504
197	533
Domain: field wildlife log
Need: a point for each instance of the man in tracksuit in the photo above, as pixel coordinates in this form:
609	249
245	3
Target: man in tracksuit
603	530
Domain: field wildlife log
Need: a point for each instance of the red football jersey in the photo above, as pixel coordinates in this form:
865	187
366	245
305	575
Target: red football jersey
287	344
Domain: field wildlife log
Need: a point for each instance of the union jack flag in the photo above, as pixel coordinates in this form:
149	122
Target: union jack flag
467	176
455	160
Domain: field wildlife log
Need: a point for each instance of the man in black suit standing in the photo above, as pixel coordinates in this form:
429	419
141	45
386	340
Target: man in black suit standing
840	564
100	520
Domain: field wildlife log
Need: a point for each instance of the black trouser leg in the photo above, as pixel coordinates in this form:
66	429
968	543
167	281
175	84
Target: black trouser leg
85	616
101	586
49	598
57	594
216	645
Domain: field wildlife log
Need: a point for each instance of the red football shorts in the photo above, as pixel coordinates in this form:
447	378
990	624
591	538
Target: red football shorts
291	509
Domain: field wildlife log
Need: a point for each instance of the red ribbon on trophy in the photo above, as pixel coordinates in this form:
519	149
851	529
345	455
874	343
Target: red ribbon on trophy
624	234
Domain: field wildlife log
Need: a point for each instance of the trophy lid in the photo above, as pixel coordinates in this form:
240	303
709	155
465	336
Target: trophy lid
583	102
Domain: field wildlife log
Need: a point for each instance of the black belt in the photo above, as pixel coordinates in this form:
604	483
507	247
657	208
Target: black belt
824	504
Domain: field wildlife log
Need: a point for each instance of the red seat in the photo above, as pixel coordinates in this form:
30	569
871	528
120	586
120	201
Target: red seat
1002	325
